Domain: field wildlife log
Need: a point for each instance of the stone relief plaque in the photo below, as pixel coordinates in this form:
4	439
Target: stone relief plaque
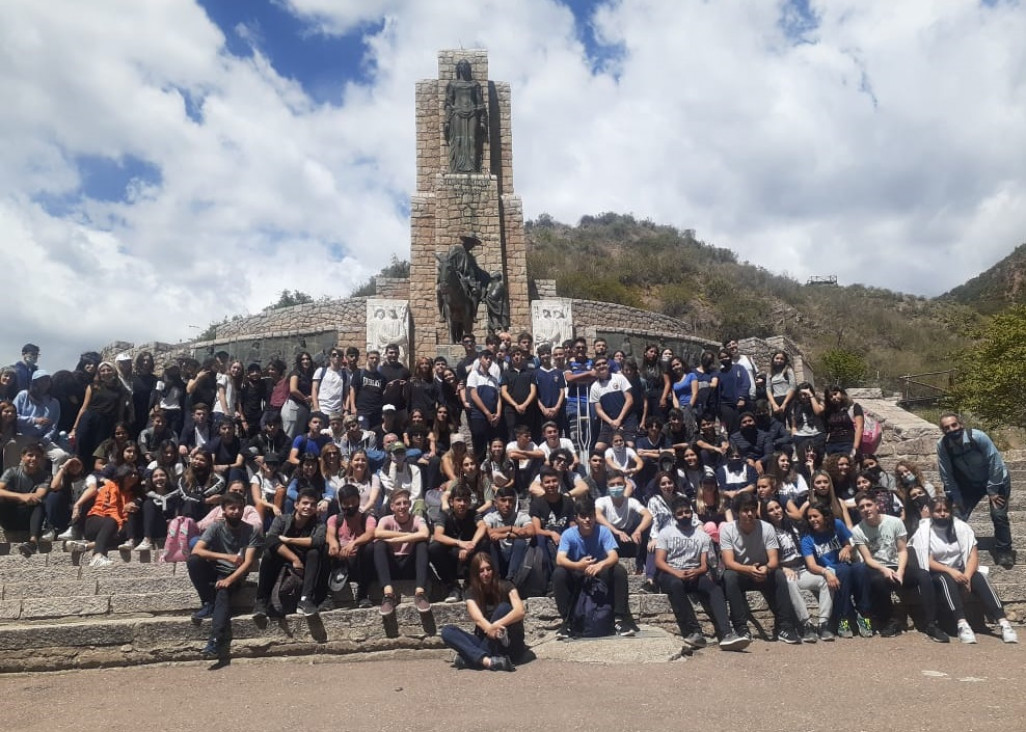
388	321
552	321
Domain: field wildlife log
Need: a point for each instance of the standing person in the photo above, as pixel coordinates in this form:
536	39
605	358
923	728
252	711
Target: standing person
610	398
750	553
580	375
733	391
947	545
396	377
588	549
422	392
781	386
806	423
498	614
103	406
745	362
26	366
330	392
144	383
252	396
483	394
970	468
881	541
296	410
218	564
843	420
682	559
656	381
520	392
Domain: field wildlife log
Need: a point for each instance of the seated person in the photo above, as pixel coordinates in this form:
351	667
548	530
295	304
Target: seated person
947	545
681	558
551	441
736	476
218	565
271	441
197	431
509	533
22	492
570	482
880	540
621	457
457	538
551	513
589	550
226	450
498	614
754	444
750	555
312	442
299	539
401	550
626	519
151	438
711	443
650	446
267	488
779	436
249	514
527	458
105	523
598	473
350	538
399	474
676	432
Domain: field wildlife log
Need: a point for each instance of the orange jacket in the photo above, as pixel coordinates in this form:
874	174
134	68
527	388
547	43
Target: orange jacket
110	502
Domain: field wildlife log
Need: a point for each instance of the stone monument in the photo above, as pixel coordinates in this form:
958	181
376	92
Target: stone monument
465	196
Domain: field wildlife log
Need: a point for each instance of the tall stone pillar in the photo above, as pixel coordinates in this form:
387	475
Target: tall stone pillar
448	204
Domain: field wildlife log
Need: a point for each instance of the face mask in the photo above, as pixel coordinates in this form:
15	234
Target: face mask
684	523
942	523
919	501
616	493
30	358
908	479
735	463
350	511
726	363
955	435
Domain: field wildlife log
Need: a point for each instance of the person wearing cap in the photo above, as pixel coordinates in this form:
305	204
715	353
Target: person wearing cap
398	474
38	415
27	365
388	425
354	437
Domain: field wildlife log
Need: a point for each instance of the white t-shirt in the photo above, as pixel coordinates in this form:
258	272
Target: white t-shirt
331	391
619	517
624	460
945	552
564	443
881	540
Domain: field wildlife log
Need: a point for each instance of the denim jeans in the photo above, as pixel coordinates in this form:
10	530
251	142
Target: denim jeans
473	647
204	574
966	501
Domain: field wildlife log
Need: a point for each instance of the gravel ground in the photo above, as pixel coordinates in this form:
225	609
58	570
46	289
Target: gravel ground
905	684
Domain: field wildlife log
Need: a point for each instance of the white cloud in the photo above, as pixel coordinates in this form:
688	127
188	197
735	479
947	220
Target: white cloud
887	150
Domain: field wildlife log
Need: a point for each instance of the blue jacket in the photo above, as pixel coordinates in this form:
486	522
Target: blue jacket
29	410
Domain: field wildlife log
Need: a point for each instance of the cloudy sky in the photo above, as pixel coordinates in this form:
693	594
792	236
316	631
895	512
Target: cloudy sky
168	162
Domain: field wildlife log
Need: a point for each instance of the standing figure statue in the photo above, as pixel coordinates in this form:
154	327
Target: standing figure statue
466	121
497	303
461	287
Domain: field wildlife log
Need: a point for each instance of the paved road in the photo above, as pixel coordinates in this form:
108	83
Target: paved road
903	684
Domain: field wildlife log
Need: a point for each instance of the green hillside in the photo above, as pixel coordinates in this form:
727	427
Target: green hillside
616	258
1002	285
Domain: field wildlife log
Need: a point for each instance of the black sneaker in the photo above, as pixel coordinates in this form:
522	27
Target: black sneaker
809	634
891	629
260	609
789	636
648	587
458	662
210	649
203	613
502	663
565	632
734	642
626	627
936	634
825	634
27	549
364	603
454	596
695	640
306	607
1004	559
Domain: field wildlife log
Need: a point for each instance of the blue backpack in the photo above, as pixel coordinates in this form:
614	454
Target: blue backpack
593	612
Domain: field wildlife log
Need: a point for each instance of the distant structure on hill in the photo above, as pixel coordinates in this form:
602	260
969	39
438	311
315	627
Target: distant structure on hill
822	280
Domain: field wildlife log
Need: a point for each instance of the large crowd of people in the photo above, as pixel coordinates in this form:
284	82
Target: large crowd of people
715	479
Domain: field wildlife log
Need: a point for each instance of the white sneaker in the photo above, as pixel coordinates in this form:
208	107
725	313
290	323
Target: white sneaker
100	561
144	546
1008	634
48	535
127	546
67	535
75	546
966	635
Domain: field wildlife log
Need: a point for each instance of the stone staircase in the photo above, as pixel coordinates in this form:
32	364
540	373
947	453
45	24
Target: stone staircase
58	613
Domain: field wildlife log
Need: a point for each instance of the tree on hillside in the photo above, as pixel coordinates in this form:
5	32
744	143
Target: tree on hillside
842	367
992	373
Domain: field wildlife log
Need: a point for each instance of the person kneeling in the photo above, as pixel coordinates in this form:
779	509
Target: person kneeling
298	539
218	564
681	558
498	614
588	550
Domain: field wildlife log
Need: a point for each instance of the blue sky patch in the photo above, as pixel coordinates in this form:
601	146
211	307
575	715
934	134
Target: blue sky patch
798	21
603	57
109	179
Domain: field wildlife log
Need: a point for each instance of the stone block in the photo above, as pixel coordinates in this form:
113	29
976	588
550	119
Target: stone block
164	602
60	607
13	572
10	609
142	585
130	569
47	588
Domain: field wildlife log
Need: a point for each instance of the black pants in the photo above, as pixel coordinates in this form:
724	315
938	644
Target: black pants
104	531
879	590
952	594
413	566
711	595
18	516
566	583
773	589
361	568
272	562
204	574
446	560
628	549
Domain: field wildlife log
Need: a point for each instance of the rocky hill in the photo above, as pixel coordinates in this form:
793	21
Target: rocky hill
1002	285
616	258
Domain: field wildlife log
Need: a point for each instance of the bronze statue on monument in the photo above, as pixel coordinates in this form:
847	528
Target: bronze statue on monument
461	287
466	121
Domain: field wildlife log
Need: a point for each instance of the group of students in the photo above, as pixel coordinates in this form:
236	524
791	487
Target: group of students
692	479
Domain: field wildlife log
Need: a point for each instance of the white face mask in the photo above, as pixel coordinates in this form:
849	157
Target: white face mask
30	358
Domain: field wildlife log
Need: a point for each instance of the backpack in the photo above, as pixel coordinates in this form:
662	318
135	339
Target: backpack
180	531
593	611
872	434
532	578
287	590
